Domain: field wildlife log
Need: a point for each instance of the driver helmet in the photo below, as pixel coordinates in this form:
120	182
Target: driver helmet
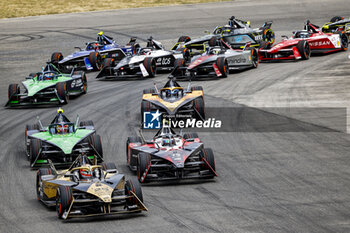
175	92
59	128
48	76
166	142
59	110
85	173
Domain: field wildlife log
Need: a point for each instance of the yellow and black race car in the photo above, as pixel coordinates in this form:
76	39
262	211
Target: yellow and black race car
174	101
88	189
337	24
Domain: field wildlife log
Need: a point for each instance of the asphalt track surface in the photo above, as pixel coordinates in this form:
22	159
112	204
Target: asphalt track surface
269	180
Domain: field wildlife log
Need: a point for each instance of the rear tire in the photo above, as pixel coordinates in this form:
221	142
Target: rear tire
108	62
95	141
29	127
143	163
13	92
336	18
208	155
343	40
133	185
180	62
200	107
34	149
190	135
269	36
222	65
150	65
95	60
62	92
41	172
64	198
56	58
255	57
304	49
184	39
145	107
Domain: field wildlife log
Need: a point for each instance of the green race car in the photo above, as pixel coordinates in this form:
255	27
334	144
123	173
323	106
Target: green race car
49	86
62	141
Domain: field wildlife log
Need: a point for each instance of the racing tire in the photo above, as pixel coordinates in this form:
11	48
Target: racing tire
255	57
56	58
145	107
222	65
343	40
95	60
108	166
64	198
42	172
150	66
178	63
13	92
62	93
136	139
133	185
143	162
86	123
304	49
184	39
149	91
34	149
29	127
213	41
269	36
208	155
336	18
190	135
198	104
108	62
197	88
95	142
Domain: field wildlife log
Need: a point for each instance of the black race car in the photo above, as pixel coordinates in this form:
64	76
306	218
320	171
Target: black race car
237	33
169	156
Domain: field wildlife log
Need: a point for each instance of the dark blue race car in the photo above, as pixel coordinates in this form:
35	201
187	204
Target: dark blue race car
95	52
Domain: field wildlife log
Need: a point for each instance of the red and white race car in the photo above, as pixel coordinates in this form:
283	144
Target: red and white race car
303	43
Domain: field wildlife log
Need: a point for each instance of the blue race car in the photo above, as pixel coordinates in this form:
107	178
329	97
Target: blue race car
92	56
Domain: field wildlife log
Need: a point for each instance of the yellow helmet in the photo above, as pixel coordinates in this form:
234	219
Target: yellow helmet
59	110
100	33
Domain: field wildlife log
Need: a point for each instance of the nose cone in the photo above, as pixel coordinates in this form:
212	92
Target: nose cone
179	164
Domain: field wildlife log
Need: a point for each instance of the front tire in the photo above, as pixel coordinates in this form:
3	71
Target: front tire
143	163
222	65
208	155
150	66
304	49
133	185
62	93
34	149
343	40
96	143
41	172
95	60
13	92
198	104
64	198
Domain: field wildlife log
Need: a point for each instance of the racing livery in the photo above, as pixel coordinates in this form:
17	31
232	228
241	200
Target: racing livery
174	100
217	61
169	156
62	141
92	56
49	86
145	63
237	33
305	42
337	24
87	189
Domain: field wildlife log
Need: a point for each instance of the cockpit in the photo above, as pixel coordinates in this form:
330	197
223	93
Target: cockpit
47	76
172	93
168	141
87	173
61	128
302	34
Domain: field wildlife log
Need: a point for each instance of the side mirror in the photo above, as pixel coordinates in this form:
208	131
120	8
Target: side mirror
78	48
72	176
284	37
207	32
112	171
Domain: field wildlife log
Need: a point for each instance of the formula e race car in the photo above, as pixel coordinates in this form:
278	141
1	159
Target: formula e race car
87	189
303	43
169	156
92	56
145	63
237	34
174	101
337	24
62	141
217	61
49	86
